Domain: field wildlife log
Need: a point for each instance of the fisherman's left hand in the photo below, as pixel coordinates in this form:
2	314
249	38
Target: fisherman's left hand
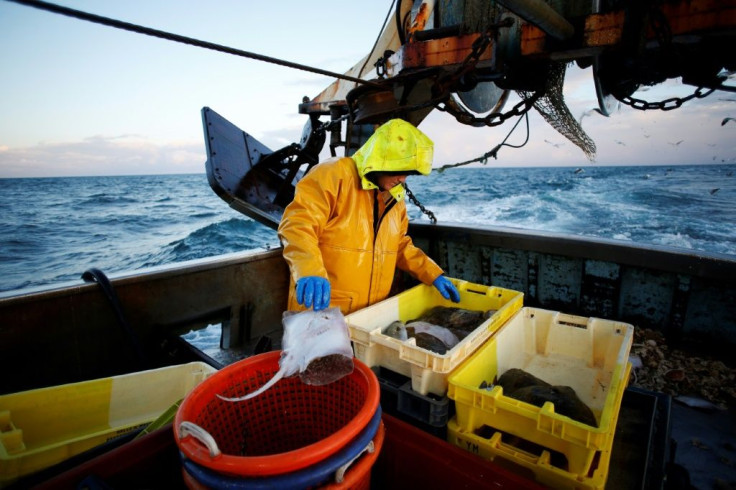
447	289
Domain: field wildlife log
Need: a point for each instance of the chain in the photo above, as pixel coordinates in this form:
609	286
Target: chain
662	31
416	202
667	104
330	125
495	118
479	45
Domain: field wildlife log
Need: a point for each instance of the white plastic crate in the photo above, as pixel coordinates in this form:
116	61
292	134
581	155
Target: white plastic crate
428	370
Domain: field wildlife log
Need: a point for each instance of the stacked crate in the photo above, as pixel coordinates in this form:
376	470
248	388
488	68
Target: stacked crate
458	391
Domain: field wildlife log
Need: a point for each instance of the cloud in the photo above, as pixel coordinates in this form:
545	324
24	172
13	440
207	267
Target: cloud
102	155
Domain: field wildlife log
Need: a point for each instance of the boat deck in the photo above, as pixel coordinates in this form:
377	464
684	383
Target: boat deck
654	431
705	446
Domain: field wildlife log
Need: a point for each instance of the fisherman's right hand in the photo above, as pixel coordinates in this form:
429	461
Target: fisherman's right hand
313	291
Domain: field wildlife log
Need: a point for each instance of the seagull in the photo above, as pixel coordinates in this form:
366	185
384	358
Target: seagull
675	144
588	113
725	120
556	145
579	170
620	142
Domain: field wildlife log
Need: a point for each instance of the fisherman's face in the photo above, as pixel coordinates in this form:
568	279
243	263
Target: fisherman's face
386	181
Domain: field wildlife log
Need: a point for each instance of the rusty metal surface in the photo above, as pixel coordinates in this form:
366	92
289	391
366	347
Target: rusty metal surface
607	30
445	52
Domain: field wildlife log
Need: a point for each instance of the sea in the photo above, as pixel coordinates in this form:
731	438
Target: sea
53	229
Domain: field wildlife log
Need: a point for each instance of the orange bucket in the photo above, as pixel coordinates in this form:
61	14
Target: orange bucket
289	427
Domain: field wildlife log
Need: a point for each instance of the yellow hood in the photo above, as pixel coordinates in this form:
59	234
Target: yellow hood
396	146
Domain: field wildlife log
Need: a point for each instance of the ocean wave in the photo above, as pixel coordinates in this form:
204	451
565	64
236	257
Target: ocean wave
231	235
103	199
53	229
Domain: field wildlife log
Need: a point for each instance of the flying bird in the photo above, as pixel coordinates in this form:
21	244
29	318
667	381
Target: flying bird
556	145
725	120
620	142
713	191
675	144
588	113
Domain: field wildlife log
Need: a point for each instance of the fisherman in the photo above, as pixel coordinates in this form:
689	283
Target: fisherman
345	232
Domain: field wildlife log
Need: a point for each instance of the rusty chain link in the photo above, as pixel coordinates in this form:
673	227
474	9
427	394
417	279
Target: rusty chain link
495	118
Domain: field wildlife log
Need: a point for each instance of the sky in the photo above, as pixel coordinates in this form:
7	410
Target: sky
84	99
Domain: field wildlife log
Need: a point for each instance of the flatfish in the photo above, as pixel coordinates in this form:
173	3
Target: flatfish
427	336
564	398
444	334
516	378
526	387
430	342
460	321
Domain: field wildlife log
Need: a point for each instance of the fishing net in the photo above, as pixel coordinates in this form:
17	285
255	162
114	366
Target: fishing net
553	109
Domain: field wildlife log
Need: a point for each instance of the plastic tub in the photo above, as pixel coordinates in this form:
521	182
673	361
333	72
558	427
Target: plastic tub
287	428
335	468
42	427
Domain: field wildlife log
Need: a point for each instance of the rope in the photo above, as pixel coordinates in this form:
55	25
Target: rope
494	152
126	26
385	21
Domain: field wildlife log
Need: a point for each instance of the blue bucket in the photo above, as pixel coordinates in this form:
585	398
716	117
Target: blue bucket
311	476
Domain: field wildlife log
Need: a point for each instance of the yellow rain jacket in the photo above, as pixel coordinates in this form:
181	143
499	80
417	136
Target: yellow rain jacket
328	229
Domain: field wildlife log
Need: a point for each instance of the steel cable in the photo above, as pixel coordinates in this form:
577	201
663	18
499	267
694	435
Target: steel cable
127	26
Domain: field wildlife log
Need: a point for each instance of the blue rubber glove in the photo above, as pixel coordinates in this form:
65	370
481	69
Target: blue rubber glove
447	289
313	291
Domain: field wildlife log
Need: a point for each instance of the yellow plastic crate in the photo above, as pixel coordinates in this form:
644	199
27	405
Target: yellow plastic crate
588	354
42	427
537	465
428	370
